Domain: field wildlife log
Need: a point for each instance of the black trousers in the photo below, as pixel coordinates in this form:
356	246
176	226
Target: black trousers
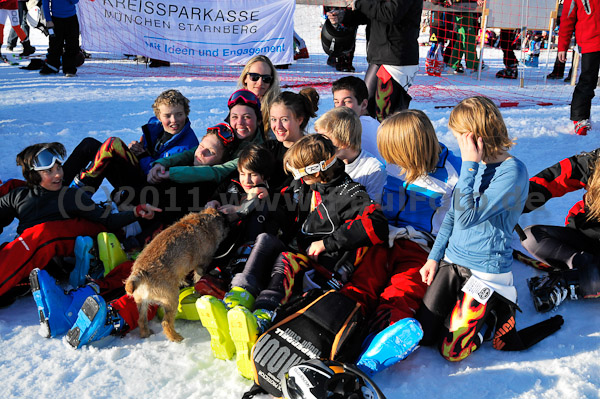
584	91
507	38
66	35
561	247
568	250
80	158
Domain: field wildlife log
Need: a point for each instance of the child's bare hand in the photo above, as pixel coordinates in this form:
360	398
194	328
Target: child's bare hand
471	148
157	174
213	204
428	271
260	192
315	249
136	147
230	212
145	211
228	209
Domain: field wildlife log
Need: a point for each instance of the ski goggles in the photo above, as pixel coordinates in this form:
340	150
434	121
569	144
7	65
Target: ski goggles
311	169
244	97
224	131
45	159
268	79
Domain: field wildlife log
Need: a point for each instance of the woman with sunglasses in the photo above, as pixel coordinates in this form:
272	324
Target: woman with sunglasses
261	78
50	215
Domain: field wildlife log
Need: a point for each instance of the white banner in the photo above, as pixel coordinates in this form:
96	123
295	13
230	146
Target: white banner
200	32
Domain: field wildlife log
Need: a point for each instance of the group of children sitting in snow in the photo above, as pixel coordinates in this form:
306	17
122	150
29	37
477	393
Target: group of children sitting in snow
422	240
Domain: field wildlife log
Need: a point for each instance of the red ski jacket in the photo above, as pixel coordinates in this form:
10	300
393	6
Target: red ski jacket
583	16
8	5
568	175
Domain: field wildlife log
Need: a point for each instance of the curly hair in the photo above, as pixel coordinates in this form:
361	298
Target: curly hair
171	97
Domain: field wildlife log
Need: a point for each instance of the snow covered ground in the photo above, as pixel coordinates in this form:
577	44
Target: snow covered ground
100	104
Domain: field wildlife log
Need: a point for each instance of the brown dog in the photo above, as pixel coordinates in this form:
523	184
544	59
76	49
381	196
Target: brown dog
162	266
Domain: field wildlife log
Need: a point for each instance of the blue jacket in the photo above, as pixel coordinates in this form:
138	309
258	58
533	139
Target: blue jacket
423	203
182	141
487	202
59	8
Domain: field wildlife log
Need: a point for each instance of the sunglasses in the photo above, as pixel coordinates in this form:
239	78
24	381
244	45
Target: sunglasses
268	79
45	159
245	97
312	169
224	131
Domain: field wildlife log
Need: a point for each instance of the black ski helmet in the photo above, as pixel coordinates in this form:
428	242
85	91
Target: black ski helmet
322	378
337	41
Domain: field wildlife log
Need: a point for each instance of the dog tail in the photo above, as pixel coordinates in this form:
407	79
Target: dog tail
132	283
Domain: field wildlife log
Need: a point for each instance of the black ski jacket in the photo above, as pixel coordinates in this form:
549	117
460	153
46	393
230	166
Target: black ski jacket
392	30
346	218
36	205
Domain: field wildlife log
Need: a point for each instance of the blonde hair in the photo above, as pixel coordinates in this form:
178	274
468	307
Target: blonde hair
272	91
592	196
343	124
171	97
480	116
309	150
408	139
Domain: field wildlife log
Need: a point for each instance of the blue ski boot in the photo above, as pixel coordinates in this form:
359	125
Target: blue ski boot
390	346
95	320
83	257
57	309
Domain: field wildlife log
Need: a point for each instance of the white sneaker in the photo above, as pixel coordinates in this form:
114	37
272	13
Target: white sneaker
70	75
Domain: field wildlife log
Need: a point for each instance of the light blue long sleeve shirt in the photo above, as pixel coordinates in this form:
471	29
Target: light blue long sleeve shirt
487	202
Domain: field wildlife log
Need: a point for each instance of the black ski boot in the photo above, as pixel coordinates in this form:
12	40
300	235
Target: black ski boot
551	290
28	49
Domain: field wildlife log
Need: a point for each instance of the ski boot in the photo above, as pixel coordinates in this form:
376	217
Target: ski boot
301	53
213	315
57	309
109	252
28	49
245	327
83	258
95	320
508	73
549	291
391	345
582	127
186	310
238	296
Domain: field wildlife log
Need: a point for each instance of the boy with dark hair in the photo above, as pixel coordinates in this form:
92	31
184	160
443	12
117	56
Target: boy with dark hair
352	92
50	216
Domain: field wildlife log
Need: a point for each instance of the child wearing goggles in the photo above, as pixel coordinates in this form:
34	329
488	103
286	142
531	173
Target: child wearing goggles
50	215
244	119
334	221
213	149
